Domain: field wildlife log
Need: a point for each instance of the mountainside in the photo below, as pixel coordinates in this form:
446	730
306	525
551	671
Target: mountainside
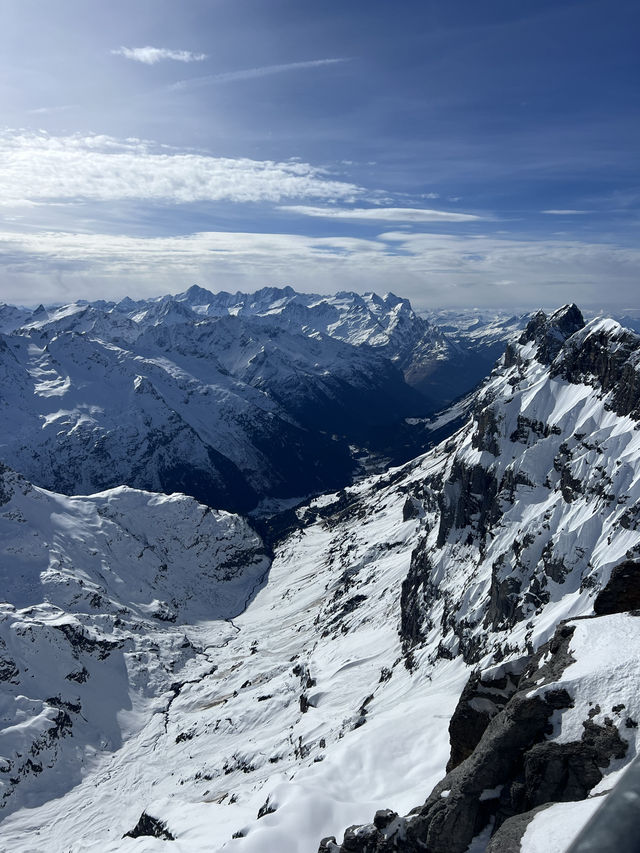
96	593
458	632
228	398
533	515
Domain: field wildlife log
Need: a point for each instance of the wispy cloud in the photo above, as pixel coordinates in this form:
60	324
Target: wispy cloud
432	269
37	167
382	214
151	55
41	111
566	212
252	73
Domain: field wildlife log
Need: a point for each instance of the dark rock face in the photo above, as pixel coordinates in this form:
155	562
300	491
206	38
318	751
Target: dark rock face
550	333
416	596
410	509
150	826
622	592
528	429
504	602
555	772
614	368
267	808
508	837
468	499
487	429
479	703
501	767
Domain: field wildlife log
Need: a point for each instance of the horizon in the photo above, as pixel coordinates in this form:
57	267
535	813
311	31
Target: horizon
456	154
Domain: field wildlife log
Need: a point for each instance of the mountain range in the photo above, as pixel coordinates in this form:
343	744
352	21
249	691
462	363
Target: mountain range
440	656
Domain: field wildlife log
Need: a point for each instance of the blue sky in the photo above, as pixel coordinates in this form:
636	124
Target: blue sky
459	153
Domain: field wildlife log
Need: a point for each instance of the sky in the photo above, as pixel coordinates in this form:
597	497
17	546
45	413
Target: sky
464	153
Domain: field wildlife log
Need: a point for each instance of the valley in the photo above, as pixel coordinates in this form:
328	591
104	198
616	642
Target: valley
440	645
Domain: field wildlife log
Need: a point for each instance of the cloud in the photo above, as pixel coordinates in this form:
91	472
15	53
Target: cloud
430	269
382	214
252	73
151	55
49	110
565	212
37	167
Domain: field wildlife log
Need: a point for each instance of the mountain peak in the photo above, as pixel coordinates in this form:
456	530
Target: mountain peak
568	319
195	294
550	332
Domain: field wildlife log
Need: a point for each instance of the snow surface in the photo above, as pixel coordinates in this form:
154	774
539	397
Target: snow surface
237	728
151	663
553	829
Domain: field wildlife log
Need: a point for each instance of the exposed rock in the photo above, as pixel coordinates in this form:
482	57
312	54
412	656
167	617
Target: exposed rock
481	700
8	669
608	358
622	591
509	835
383	817
150	826
551	332
410	509
83	642
267	808
511	770
486	432
528	428
417	595
503	610
561	772
468	500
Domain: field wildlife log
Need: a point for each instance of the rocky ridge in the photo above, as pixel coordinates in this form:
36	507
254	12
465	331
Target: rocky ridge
534	500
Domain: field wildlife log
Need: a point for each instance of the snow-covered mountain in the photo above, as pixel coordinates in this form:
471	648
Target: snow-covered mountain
502	562
229	398
96	595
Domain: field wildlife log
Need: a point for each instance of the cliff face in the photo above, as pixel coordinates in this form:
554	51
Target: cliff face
529	524
533	496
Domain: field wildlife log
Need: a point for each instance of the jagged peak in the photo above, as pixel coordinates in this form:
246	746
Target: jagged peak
195	293
606	354
568	319
551	331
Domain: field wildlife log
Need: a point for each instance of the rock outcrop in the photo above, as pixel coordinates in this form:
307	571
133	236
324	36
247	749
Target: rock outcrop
503	765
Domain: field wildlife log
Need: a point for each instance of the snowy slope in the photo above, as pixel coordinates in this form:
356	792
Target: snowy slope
263	398
96	594
530	513
330	696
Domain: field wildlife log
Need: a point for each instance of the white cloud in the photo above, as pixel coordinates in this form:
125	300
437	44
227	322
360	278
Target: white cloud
49	110
37	167
565	212
151	55
430	269
252	73
382	214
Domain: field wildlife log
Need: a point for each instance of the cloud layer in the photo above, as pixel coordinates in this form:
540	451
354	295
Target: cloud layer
382	214
37	167
151	55
431	269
